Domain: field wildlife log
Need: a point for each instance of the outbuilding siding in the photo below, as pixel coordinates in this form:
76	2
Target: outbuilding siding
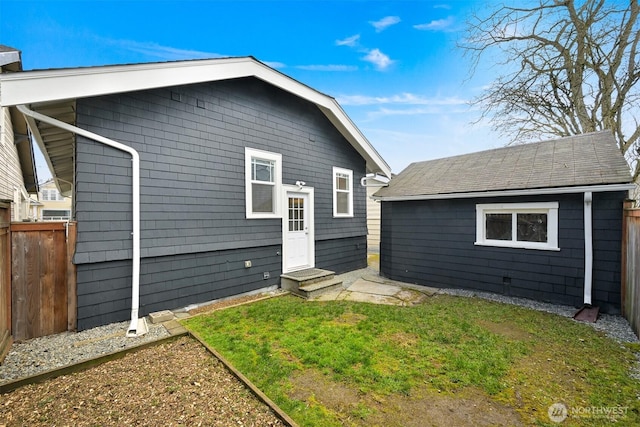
432	243
191	141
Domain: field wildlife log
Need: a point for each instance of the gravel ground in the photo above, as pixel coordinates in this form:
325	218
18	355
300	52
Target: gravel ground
38	355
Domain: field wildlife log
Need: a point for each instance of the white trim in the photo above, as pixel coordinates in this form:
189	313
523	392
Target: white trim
29	87
549	208
251	153
349	173
293	189
506	193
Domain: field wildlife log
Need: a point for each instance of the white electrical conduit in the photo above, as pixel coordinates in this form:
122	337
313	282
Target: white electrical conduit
588	247
133	329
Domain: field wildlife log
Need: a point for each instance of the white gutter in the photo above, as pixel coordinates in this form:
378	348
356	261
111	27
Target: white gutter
505	193
133	329
588	247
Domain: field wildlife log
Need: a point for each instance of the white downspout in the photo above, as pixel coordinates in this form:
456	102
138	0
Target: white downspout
132	331
588	247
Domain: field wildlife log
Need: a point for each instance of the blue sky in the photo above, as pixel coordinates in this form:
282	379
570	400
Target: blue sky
392	65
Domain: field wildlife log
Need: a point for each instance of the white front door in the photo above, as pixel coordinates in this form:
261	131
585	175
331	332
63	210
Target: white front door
298	235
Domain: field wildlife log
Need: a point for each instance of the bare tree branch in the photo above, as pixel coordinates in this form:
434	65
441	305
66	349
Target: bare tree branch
572	67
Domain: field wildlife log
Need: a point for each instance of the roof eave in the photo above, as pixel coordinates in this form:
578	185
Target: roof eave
69	84
506	193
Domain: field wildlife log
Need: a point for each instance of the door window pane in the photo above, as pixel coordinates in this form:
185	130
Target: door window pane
296	214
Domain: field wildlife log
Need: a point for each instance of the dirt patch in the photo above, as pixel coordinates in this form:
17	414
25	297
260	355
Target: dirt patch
349	319
421	408
507	330
177	383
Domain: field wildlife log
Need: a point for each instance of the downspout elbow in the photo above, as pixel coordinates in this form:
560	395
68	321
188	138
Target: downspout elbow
136	327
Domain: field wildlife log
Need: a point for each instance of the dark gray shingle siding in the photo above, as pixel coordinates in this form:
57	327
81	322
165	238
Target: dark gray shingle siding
104	289
192	168
432	243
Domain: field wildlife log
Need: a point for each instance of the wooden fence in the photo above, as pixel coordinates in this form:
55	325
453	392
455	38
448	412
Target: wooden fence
42	294
631	267
5	280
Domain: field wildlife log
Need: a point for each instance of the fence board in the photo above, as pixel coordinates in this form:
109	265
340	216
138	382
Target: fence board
631	267
39	279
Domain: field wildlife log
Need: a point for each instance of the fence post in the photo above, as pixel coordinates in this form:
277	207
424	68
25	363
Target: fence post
630	282
72	290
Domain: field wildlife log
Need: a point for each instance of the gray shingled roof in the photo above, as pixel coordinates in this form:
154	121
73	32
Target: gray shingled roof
588	159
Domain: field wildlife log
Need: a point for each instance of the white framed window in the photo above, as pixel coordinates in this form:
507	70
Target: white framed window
342	192
518	225
263	183
51	195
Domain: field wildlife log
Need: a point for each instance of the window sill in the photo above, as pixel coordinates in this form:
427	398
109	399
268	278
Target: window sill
518	245
263	216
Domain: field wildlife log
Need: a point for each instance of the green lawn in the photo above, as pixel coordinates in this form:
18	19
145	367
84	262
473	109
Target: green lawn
343	363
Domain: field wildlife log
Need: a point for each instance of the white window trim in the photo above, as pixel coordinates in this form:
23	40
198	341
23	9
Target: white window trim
250	153
549	208
349	173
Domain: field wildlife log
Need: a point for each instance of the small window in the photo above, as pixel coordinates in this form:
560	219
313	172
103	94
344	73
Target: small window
342	192
518	225
263	179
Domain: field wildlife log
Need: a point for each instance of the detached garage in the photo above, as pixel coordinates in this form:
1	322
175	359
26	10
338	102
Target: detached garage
540	221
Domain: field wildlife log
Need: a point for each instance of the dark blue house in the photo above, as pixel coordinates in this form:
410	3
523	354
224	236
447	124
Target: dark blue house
541	221
196	180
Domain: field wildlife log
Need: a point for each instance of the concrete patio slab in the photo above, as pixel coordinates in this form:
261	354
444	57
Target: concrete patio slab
369	287
372	298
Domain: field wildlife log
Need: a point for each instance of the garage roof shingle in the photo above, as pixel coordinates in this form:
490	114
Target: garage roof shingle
588	159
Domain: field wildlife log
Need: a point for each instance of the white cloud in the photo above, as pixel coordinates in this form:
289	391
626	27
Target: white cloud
329	67
384	23
158	51
436	25
274	64
349	41
399	99
379	59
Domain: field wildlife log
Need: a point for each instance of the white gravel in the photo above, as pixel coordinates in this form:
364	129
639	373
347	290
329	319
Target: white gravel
42	354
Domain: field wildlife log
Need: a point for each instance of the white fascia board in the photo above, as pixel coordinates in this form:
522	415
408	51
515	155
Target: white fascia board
32	87
508	193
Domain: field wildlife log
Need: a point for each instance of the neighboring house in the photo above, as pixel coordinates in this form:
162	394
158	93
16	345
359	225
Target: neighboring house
373	184
244	173
541	221
16	155
52	205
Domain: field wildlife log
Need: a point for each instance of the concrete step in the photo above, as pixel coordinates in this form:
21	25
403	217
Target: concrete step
309	282
296	279
318	288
